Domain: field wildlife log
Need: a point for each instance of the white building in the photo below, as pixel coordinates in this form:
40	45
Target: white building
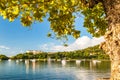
34	51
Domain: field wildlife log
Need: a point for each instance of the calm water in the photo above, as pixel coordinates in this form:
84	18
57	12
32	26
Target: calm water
40	70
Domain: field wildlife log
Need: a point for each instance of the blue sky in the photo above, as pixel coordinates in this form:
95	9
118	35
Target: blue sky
14	38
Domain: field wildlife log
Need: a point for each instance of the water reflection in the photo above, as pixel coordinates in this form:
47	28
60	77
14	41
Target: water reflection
27	66
33	66
81	69
54	70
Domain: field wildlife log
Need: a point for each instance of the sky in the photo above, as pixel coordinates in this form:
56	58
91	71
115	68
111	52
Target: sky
14	38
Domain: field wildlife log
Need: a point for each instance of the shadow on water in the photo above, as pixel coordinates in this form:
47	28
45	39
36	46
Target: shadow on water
53	70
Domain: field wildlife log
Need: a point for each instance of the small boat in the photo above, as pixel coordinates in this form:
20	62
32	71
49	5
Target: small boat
21	60
63	62
9	60
26	61
17	61
49	59
58	60
78	61
33	60
96	61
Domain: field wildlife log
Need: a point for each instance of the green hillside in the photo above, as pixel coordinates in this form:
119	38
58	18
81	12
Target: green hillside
88	53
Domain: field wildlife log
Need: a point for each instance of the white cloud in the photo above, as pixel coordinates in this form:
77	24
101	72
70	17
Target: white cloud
4	47
80	43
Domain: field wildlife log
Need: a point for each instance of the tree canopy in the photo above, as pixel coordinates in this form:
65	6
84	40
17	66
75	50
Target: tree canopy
60	13
3	57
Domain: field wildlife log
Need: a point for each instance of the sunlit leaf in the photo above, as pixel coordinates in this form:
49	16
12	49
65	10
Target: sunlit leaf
60	13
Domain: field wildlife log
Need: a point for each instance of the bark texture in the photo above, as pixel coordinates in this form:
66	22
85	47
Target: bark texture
112	36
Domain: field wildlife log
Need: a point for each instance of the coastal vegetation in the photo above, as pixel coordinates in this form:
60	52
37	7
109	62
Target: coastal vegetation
3	57
88	53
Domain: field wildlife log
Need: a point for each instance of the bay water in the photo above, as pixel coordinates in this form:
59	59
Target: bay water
53	70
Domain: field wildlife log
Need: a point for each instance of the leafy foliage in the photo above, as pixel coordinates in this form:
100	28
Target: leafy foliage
95	21
30	56
60	13
88	53
3	57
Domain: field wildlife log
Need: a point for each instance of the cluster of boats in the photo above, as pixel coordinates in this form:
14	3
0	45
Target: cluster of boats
64	61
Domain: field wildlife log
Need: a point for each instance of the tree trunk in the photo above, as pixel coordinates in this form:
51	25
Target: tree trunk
112	36
112	47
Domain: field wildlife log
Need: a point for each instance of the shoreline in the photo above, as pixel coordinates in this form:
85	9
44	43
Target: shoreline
57	60
103	79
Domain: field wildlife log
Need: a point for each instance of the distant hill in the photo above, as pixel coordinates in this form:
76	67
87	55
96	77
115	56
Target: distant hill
89	53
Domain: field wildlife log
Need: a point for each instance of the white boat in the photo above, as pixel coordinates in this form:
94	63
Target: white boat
78	61
9	60
17	61
33	60
49	59
26	61
96	61
63	62
58	60
21	60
